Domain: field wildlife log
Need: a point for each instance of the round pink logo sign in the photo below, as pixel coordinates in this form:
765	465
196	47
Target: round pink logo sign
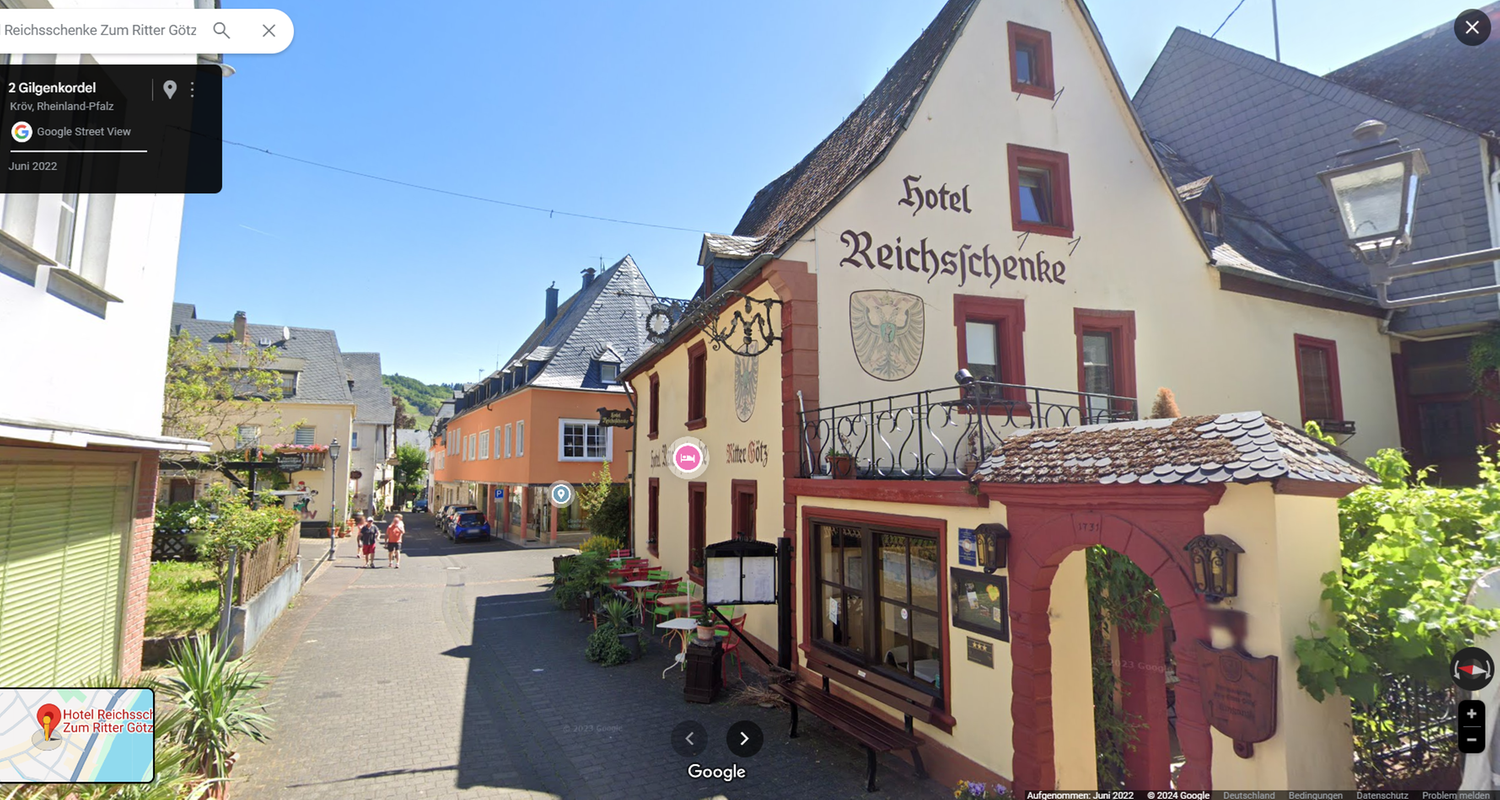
689	458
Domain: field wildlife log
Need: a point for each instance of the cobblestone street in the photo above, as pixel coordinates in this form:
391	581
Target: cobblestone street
456	676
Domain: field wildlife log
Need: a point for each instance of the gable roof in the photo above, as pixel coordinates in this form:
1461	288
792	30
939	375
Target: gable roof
1247	447
787	205
1265	129
1435	74
323	376
372	398
612	309
1247	244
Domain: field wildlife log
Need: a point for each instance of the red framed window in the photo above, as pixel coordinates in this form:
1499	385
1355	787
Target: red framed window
1030	61
697	526
697	386
653	513
1318	379
743	522
1040	198
989	343
1106	365
653	414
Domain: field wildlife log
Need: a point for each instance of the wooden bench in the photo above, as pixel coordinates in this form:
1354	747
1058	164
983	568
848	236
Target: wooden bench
877	734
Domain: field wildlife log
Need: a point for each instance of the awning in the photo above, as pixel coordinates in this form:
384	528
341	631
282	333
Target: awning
77	436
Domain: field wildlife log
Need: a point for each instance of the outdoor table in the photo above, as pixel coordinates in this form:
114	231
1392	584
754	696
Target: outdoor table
640	609
679	626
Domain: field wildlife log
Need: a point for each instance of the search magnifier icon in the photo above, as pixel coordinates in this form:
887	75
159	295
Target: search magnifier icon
221	30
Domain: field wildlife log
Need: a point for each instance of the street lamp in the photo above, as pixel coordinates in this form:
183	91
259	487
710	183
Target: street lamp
1374	192
333	514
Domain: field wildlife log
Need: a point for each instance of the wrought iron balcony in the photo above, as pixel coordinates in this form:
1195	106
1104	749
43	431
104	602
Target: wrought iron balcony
940	434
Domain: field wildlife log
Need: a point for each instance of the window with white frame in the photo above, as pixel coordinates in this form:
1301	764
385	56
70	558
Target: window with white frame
484	446
507	441
354	440
520	438
84	225
247	436
473	442
497	441
583	440
305	435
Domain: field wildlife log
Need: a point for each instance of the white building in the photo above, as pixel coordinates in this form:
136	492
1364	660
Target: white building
371	449
86	286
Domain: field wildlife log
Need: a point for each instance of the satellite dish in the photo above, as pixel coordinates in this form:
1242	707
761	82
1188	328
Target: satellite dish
286	333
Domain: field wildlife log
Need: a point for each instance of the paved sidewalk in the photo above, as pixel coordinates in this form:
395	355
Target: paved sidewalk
406	684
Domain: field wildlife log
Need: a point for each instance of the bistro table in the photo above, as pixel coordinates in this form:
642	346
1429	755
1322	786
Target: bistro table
634	587
679	626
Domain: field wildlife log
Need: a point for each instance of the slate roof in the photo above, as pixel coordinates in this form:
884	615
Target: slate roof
372	398
723	245
1435	74
1239	246
594	314
422	439
1246	447
323	377
1265	129
790	203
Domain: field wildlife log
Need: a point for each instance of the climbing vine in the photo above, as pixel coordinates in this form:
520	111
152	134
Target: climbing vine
1122	596
1484	358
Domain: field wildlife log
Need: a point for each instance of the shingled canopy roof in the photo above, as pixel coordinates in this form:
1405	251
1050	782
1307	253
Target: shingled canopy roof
1246	447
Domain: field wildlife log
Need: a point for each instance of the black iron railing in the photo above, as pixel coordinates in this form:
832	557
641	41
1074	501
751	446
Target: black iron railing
940	434
1407	732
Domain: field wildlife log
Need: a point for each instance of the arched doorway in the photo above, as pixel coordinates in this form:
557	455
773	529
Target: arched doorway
1151	525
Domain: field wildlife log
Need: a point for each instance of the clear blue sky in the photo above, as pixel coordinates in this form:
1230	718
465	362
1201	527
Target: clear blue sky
668	112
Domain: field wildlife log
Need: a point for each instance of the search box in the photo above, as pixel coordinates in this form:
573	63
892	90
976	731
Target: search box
144	31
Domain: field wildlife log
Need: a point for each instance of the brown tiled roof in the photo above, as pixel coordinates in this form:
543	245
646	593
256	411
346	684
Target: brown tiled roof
790	203
1227	448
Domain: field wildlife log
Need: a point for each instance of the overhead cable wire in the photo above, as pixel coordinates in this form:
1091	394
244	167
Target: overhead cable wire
1226	20
548	211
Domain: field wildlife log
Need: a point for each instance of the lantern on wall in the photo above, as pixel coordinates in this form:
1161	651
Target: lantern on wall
992	540
1215	560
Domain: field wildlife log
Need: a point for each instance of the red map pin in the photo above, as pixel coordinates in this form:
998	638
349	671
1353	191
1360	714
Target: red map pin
48	716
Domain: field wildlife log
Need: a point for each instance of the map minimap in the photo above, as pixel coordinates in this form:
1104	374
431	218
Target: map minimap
100	735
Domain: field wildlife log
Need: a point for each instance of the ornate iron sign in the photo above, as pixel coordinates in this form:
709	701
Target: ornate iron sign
887	329
749	332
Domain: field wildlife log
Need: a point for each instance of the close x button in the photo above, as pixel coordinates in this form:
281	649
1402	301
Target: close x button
1471	726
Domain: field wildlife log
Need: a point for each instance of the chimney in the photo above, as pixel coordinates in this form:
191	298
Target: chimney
588	277
240	324
551	304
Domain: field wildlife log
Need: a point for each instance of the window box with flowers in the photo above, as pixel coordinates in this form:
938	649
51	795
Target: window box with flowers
312	454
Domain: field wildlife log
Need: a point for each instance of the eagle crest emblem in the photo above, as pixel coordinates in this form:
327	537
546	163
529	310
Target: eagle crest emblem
746	384
887	328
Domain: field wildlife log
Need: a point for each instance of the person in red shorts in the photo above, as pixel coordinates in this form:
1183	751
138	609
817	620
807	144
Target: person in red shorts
368	534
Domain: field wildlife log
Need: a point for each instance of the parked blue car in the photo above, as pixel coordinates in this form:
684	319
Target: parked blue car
469	525
420	505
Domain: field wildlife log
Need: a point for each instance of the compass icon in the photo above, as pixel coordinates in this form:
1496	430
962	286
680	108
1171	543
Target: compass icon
1472	669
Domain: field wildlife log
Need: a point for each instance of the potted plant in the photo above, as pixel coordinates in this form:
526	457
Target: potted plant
971	460
705	625
618	614
841	463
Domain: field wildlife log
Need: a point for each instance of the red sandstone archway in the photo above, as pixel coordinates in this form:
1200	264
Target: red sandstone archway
1150	525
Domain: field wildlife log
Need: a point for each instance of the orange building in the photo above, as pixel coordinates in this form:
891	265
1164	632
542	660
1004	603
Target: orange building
536	420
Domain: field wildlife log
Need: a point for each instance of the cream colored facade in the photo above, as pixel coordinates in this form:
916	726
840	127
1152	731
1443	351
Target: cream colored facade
1132	253
758	436
1136	251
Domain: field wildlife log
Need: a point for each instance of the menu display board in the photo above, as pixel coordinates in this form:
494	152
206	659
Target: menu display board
980	603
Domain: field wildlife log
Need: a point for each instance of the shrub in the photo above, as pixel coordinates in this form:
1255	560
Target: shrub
600	544
604	647
214	706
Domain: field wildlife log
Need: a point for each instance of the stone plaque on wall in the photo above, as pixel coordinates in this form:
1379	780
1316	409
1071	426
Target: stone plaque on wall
1239	695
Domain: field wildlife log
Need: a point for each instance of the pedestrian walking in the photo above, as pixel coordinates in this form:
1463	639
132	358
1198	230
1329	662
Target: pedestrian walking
368	534
393	535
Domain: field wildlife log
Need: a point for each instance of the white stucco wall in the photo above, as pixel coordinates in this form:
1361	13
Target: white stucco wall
72	368
1218	351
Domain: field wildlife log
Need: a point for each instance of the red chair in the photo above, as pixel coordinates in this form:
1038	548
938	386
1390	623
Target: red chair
731	637
622	554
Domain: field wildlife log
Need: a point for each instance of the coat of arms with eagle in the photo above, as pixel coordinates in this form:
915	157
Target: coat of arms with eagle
887	329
